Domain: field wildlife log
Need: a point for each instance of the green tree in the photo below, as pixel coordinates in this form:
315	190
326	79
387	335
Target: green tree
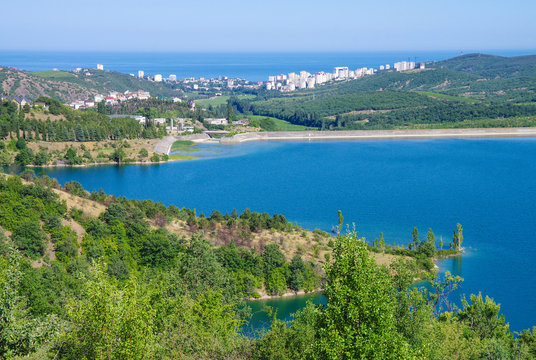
427	248
24	157
109	322
340	223
230	112
118	155
415	242
20	334
482	317
21	144
143	153
359	320
276	281
459	236
29	237
297	269
382	241
272	258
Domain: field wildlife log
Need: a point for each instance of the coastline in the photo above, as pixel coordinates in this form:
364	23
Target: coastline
381	134
164	145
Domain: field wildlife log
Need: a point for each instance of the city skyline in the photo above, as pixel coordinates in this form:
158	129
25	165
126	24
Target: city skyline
238	26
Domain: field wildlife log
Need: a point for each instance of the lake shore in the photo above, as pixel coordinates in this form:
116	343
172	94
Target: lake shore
380	134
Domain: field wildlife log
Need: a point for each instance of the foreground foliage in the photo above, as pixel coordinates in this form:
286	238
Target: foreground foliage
129	289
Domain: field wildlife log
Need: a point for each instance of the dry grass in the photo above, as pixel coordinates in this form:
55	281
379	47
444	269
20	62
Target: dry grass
40	115
386	259
303	242
89	207
104	148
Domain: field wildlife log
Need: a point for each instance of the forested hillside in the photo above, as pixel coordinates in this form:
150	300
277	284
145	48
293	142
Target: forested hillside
68	86
491	66
468	91
92	276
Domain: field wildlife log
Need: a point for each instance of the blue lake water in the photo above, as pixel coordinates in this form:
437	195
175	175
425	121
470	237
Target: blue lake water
488	185
251	66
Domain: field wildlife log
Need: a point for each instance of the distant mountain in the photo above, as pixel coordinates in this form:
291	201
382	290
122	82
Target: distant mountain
491	66
67	86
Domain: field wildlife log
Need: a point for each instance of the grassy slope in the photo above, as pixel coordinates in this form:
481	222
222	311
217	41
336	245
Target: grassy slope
282	125
51	74
220	100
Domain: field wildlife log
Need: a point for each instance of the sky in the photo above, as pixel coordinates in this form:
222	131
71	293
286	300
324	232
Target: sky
268	25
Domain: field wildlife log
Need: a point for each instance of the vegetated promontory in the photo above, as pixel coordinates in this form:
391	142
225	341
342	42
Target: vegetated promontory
96	276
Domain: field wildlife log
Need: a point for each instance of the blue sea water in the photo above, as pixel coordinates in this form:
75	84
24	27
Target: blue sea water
250	66
390	185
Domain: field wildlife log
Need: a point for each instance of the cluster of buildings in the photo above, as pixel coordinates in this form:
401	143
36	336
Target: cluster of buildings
203	83
112	98
305	80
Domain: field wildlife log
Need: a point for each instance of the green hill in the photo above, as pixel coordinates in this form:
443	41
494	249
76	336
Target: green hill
491	90
67	86
491	66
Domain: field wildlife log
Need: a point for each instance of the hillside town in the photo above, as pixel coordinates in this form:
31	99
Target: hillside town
113	98
305	80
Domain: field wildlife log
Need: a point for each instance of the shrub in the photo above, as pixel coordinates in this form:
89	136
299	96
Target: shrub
29	238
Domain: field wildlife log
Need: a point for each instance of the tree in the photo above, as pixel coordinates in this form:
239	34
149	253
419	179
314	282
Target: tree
21	144
24	157
230	113
459	229
79	131
143	153
457	237
108	322
483	318
71	156
382	241
20	334
427	248
297	268
118	155
341	222
359	320
415	239
272	258
29	237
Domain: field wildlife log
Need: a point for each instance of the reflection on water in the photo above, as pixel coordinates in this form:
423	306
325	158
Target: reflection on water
213	149
284	308
457	265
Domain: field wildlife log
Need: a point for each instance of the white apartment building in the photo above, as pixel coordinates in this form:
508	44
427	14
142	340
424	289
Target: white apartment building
341	72
140	74
158	78
100	67
404	65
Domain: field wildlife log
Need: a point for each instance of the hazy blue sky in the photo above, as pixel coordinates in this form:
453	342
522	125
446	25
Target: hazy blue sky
268	25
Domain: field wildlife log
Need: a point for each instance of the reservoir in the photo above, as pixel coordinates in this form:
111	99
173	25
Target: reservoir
389	186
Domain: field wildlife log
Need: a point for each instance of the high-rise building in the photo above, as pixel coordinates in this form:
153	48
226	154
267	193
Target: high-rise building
100	67
140	74
158	78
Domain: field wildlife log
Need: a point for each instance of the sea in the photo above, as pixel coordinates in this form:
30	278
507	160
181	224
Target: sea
386	186
253	66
